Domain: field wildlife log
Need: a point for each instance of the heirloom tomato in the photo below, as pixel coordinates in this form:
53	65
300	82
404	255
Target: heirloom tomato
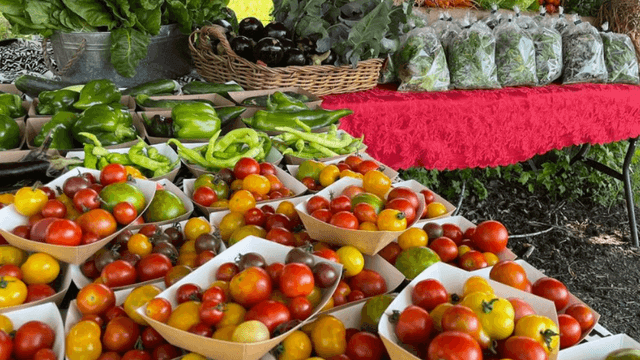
139	297
251	286
12	291
95	299
83	341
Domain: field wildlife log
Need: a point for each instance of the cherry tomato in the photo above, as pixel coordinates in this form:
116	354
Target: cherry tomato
404	206
114	312
113	173
188	292
63	232
95	299
269	312
345	220
148	230
490	236
340	203
300	308
404	193
327	254
277	220
466	347
521	308
391	252
165	352
552	289
136	355
522	348
365	212
118	273
73	185
255	216
583	314
227	271
85	200
51	194
54	209
275	271
453	232
370	282
472	260
245	167
31	337
125	213
414	325
120	334
44	354
323	215
150	338
22	231
214	293
6	346
445	248
317	202
153	266
296	280
11	270
205	196
570	331
251	286
365	346
509	273
428	294
37	292
281	236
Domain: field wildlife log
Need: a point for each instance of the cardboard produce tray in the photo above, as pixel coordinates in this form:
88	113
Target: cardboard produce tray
47	313
598	349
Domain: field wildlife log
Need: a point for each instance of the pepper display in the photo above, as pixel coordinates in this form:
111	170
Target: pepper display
60	125
98	92
269	120
11	105
200	87
283	102
9	133
195	121
308	145
111	125
226	151
50	102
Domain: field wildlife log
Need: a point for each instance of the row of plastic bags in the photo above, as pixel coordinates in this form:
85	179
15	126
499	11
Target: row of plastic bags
513	51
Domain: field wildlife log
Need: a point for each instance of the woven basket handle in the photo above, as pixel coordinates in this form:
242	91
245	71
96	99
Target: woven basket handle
70	63
218	32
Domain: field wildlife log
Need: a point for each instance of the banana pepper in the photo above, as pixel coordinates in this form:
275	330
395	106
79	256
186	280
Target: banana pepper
61	124
496	314
195	121
50	102
12	105
540	328
111	125
98	92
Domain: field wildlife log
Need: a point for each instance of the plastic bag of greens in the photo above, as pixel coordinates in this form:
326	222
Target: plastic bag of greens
515	55
471	58
446	29
541	17
619	57
494	18
422	64
559	23
525	22
583	55
548	44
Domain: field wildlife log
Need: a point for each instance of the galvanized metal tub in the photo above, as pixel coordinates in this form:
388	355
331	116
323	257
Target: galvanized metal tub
168	56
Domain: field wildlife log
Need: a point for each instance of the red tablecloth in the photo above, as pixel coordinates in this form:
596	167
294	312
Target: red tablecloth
460	129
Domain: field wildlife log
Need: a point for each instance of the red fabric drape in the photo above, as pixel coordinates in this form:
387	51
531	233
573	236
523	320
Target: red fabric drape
460	129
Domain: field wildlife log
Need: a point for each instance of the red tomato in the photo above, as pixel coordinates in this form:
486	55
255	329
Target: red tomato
404	193
255	216
472	260
11	270
6	346
352	161
267	168
323	215
300	308
345	220
365	346
391	252
214	293
95	299
34	219
490	236
188	292
429	196
153	266
275	271
95	318
110	355
151	339
428	294
365	166
63	232
245	167
211	312
570	331
463	319
277	220
89	238
327	254
136	355
583	314
509	273
453	232
98	221
90	178
414	325
352	190
370	282
340	203
159	309
114	312
205	256
523	348
355	295
466	348
403	205
113	173
73	184
469	232
44	354
54	208
124	213
227	271
121	334
310	183
22	231
552	289
31	337
118	273
269	312
85	200
521	308
365	212
251	286
201	329
268	209
51	194
148	230
296	280
166	352
445	248
317	202
37	292
281	236
204	196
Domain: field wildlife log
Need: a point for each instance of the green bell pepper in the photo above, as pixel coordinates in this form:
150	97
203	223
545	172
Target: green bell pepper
201	87
269	120
13	105
111	125
9	133
195	121
283	102
65	118
50	102
98	92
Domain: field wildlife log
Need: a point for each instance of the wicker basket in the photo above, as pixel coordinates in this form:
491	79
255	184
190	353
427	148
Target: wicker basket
623	17
319	80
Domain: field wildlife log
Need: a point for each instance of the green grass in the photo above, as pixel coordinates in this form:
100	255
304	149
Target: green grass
260	9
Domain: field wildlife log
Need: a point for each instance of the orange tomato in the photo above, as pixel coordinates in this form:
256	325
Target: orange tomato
377	183
241	201
257	183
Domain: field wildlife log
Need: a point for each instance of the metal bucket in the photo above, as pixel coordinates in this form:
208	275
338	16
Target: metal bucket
167	57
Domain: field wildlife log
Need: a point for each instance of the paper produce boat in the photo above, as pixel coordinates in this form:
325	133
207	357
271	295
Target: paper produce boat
47	313
598	349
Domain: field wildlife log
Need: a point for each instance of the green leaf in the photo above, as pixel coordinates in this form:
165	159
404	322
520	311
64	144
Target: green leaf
150	4
365	37
179	13
92	11
12	7
128	47
40	12
149	21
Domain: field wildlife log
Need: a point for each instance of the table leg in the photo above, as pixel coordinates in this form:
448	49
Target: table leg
628	191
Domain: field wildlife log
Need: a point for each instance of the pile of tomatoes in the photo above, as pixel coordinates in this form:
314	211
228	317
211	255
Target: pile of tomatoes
111	331
32	281
87	210
325	175
152	253
31	341
250	300
248	182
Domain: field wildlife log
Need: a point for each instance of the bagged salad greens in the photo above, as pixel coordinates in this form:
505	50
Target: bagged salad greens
583	55
548	44
471	58
421	62
446	29
541	17
525	22
494	18
619	57
559	23
515	55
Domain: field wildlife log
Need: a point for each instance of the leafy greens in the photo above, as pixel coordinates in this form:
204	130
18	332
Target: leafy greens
583	55
515	56
620	58
471	58
422	64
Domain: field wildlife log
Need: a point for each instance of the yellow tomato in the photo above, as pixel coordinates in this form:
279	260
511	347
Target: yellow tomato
245	231
236	185
29	201
83	341
185	315
329	175
328	336
287	208
224	203
196	227
391	219
12	291
351	259
40	268
436	314
256	183
315	296
435	209
5	324
139	244
250	332
138	298
463	249
350	173
241	201
230	223
491	258
233	315
368	226
134	172
297	346
376	182
7	199
476	284
188	247
12	255
413	237
188	259
193	356
224	333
